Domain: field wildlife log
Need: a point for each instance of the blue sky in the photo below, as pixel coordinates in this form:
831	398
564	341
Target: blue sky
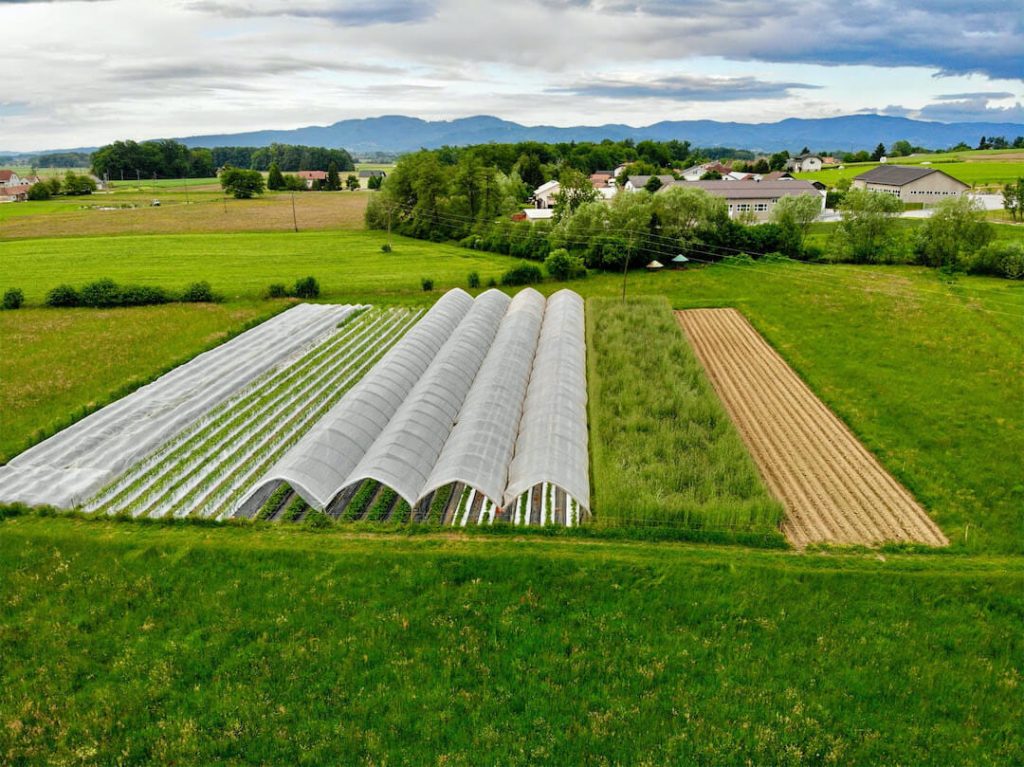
84	72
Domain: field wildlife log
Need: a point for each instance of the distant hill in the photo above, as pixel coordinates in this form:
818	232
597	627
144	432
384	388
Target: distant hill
396	133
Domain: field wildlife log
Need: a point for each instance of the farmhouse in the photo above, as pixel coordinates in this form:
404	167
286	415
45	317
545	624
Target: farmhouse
10	178
14	192
544	195
911	183
805	163
635	183
752	197
311	177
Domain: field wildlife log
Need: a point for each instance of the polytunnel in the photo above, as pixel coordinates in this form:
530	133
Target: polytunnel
552	442
74	463
404	454
318	465
480	446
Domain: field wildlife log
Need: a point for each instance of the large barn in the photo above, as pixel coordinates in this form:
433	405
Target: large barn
911	183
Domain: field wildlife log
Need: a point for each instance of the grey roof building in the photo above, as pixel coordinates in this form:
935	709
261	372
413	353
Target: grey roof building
911	183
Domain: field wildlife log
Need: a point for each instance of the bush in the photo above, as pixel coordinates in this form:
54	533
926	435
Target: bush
524	274
473	280
563	265
198	292
492	283
277	290
307	287
13	298
101	294
143	295
999	259
427	284
62	296
385	248
39	191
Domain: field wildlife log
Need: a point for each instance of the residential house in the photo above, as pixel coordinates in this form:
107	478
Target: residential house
805	163
14	192
10	178
696	172
311	177
544	195
602	178
911	183
636	183
752	197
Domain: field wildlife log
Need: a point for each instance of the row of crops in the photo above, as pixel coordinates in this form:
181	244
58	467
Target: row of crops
473	412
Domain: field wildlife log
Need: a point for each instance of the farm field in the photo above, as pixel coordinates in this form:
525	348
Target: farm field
923	371
665	453
155	643
833	489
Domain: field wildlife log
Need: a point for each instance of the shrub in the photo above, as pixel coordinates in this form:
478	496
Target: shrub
563	265
277	290
307	287
385	248
39	191
492	283
524	274
198	292
143	295
999	259
62	296
474	280
13	298
100	294
427	284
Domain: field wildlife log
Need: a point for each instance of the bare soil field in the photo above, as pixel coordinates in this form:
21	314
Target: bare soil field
833	489
207	212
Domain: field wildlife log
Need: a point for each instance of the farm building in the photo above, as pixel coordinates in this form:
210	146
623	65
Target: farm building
372	174
696	172
14	192
911	183
635	183
756	197
311	177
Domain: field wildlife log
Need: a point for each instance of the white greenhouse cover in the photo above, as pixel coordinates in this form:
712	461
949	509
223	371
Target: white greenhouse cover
320	463
552	442
70	466
480	447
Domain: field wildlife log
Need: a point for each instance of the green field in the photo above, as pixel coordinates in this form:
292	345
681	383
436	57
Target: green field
148	644
665	453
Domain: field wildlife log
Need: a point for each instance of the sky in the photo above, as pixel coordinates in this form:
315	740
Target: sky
85	72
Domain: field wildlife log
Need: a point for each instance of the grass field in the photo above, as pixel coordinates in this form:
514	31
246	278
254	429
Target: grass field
664	450
131	643
91	355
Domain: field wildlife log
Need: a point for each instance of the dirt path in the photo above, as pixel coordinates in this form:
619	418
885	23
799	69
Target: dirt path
833	489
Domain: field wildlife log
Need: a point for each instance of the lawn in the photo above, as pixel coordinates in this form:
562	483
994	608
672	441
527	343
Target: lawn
664	451
58	365
150	644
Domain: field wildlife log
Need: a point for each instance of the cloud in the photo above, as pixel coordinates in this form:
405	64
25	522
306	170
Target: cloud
344	12
986	95
683	88
962	107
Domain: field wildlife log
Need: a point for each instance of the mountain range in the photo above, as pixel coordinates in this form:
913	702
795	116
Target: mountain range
396	133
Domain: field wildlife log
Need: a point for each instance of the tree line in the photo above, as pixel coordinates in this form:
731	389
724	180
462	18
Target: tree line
172	159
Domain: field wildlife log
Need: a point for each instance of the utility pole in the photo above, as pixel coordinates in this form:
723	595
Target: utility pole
625	270
295	221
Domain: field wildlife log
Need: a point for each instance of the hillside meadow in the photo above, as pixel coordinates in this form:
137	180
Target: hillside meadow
925	371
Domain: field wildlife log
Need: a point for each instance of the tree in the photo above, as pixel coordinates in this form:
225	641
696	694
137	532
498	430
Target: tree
879	152
275	179
375	182
795	213
901	149
243	184
574	190
77	184
563	265
956	231
39	191
711	175
866	232
200	163
653	184
761	166
1013	198
352	183
333	180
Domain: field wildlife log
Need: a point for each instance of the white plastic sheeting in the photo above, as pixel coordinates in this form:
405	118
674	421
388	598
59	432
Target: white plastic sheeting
404	454
552	442
72	465
320	464
481	445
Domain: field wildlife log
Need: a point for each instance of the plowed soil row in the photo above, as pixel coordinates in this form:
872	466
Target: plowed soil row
833	489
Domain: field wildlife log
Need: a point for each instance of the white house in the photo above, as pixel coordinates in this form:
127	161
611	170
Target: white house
10	178
544	195
805	163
